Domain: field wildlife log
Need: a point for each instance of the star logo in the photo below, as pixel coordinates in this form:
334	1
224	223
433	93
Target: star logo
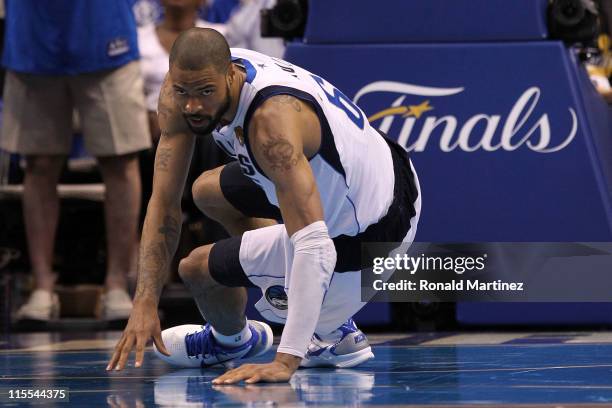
406	111
418	110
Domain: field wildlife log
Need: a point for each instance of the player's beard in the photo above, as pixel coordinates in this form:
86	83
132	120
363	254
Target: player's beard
213	121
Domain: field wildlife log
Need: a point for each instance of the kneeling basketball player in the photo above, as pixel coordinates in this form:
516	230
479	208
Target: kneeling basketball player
311	181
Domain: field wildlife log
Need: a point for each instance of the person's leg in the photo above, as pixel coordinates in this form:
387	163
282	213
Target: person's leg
37	124
40	213
217	281
114	121
230	198
218	274
121	207
222	306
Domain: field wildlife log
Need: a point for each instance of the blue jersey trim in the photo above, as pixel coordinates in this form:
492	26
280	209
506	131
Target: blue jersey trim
251	72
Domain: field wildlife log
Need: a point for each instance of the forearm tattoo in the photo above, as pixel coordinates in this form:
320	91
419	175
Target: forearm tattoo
170	231
153	262
279	153
162	158
155	258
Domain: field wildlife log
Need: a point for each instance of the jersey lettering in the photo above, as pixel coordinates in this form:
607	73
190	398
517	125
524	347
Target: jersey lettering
246	166
338	99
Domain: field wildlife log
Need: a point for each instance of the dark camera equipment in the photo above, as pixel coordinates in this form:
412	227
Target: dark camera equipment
573	21
287	19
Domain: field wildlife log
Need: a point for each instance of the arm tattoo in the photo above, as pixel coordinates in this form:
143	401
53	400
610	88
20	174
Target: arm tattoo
162	158
279	153
170	231
153	259
164	105
288	100
163	111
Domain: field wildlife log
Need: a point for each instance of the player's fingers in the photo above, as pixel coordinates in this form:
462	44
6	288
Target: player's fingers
238	376
140	347
224	376
254	378
222	379
116	354
219	379
125	353
159	343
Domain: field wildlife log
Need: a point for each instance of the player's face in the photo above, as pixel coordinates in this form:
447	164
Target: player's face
203	97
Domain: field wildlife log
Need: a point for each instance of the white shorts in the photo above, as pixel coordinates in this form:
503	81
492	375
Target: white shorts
266	256
263	257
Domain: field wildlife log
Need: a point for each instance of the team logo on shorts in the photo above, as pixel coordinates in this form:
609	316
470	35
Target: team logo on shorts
276	296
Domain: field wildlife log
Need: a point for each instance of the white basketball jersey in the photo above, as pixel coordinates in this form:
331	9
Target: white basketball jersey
353	167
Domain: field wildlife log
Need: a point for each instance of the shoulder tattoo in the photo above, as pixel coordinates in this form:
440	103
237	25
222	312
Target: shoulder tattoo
279	153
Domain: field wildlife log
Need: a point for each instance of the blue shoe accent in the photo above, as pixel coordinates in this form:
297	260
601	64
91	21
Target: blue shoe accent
203	343
347	328
195	346
351	349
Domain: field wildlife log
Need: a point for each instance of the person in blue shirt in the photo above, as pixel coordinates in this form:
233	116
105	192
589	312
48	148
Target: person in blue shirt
62	56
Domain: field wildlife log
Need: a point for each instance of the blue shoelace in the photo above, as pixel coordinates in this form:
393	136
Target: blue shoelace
200	343
347	328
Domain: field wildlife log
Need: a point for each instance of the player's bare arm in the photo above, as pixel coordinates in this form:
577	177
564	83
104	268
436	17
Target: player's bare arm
284	131
160	232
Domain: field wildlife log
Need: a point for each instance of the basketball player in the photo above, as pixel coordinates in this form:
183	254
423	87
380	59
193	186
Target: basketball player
305	157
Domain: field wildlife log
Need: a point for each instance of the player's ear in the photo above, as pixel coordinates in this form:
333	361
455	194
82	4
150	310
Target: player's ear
230	74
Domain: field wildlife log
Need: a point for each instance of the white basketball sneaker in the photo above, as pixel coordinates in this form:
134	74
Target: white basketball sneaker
350	348
41	306
192	345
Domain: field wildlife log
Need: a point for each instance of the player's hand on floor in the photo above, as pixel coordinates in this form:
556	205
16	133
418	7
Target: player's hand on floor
253	373
142	325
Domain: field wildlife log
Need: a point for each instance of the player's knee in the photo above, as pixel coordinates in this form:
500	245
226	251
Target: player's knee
206	191
194	268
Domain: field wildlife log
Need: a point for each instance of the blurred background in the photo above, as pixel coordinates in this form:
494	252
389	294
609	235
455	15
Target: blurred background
503	105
